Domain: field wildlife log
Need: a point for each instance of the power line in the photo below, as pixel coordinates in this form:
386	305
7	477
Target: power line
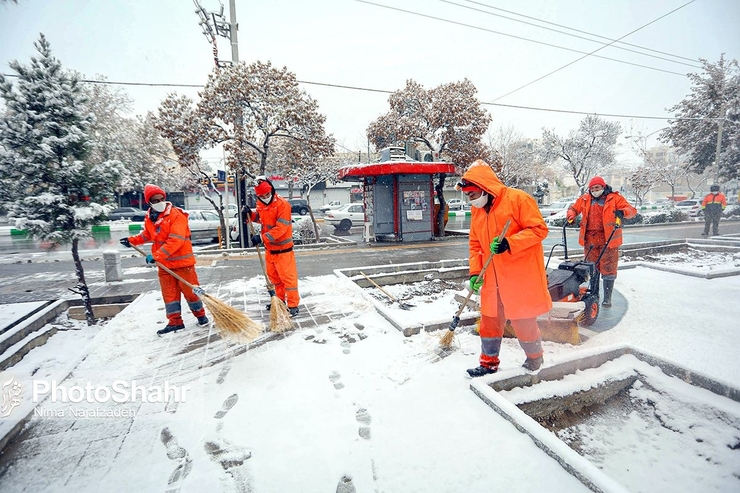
589	54
578	30
517	37
567	34
385	91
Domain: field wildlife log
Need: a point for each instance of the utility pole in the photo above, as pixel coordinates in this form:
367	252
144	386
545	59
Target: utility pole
718	150
216	25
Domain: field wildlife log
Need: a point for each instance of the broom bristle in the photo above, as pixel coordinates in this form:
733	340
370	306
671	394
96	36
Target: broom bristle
280	319
230	321
447	338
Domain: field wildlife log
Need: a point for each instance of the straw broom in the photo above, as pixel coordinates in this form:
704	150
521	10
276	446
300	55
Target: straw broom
280	319
231	322
446	340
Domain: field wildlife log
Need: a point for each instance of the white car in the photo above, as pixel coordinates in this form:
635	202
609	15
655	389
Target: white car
554	208
303	231
691	207
204	224
346	216
334	204
457	204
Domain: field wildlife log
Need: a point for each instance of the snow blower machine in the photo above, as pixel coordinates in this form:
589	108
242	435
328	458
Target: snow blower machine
576	282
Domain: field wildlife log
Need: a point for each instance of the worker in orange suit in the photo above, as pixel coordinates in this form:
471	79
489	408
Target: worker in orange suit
166	227
603	210
514	286
713	205
276	234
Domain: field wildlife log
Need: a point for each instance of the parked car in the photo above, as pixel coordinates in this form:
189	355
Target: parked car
334	204
558	219
298	206
130	213
204	224
346	216
458	204
554	208
691	207
303	231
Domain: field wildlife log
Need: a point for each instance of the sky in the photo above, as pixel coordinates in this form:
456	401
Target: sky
351	397
361	44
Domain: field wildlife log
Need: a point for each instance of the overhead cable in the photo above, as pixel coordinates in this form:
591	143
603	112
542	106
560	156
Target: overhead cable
579	31
589	54
518	37
571	35
385	91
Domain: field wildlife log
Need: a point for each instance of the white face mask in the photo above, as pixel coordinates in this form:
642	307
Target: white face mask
267	200
480	201
159	206
597	194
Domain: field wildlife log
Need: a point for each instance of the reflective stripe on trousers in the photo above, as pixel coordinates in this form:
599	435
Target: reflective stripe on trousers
282	272
173	289
492	330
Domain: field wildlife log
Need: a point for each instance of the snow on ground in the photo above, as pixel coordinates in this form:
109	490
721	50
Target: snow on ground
348	403
11	313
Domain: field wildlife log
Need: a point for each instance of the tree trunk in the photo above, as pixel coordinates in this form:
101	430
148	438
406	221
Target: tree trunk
81	287
313	220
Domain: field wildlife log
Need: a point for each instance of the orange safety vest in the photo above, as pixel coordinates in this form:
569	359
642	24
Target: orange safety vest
613	202
170	237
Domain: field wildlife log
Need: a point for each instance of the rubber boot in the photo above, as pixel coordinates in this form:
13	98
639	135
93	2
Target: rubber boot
608	288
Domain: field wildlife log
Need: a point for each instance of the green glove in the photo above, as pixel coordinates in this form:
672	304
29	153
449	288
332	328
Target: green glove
499	246
475	284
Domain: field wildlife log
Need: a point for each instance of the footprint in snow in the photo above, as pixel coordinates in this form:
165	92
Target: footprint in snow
346	485
222	374
227	405
364	418
176	453
334	379
231	458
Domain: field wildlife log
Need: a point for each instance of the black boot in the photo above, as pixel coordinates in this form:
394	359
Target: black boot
170	328
533	364
203	321
293	311
608	288
481	371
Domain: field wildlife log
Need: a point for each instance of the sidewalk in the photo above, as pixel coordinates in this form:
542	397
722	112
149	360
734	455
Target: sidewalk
343	403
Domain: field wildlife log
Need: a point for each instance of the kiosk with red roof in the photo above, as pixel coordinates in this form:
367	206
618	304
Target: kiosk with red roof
398	194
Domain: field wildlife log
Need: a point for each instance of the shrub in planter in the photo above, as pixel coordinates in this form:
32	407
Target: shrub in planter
638	219
732	211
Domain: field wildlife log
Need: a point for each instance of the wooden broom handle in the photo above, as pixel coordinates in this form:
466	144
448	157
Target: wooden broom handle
167	270
485	266
383	290
270	286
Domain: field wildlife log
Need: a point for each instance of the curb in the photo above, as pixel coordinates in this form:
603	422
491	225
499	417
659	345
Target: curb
100	228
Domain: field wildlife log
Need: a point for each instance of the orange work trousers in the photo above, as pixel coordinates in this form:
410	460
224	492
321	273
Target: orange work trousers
594	244
283	273
492	330
172	289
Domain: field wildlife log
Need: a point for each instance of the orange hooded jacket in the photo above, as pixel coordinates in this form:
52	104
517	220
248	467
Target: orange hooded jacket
613	202
170	237
277	224
519	273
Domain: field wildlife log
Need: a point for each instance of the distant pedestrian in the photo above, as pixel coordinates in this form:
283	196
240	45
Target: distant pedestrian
273	214
713	205
514	287
601	207
166	227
